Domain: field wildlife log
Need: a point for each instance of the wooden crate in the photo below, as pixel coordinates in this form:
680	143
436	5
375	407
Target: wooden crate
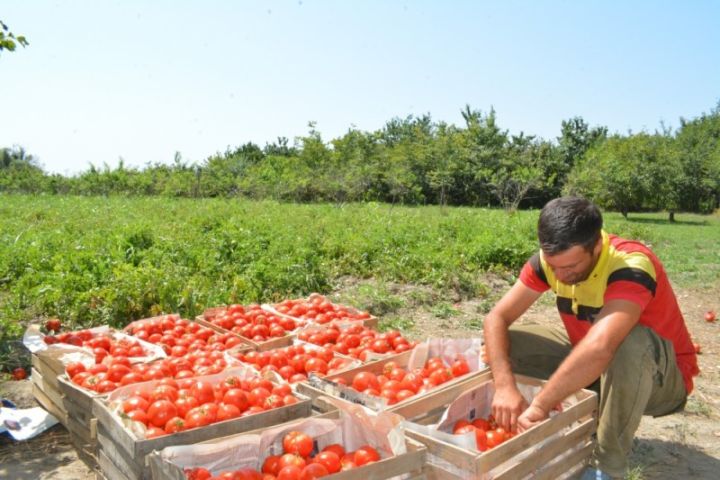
48	396
49	369
413	406
559	447
409	464
121	447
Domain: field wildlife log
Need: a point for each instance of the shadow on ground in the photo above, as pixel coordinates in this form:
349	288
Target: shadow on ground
662	460
664	221
50	455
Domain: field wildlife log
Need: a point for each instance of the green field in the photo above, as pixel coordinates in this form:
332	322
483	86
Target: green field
94	260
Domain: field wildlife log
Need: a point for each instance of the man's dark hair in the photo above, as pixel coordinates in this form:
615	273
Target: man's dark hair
569	221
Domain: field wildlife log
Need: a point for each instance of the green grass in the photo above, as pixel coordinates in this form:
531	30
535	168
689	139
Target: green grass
111	260
689	248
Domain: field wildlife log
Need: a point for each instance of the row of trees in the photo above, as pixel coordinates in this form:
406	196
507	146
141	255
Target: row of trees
416	160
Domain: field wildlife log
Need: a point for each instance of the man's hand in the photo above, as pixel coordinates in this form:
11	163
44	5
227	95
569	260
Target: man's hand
507	405
531	417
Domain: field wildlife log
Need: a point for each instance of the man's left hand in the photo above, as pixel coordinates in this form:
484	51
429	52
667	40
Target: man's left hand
531	417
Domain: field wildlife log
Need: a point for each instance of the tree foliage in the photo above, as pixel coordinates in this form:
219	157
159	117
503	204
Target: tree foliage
9	41
416	160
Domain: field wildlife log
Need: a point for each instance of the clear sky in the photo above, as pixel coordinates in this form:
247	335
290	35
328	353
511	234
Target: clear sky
143	79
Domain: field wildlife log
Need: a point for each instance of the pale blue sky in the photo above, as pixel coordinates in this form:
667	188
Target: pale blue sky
141	80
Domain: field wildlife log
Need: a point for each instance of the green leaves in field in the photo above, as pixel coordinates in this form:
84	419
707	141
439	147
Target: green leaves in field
112	260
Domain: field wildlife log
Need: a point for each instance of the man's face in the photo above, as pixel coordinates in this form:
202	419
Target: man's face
575	264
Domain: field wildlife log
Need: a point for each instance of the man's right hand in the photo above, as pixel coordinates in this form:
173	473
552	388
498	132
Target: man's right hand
508	403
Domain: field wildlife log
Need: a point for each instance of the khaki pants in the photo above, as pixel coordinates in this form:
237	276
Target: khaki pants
642	379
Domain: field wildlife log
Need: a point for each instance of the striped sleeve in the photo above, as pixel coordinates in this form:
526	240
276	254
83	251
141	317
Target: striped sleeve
634	281
533	276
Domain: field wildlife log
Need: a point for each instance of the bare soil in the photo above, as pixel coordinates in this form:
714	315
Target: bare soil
683	445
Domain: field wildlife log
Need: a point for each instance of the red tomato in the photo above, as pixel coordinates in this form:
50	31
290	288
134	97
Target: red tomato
298	443
138	416
53	325
291	472
364	380
164	392
19	373
160	412
460	367
291	460
271	464
105	386
237	397
316	365
494	438
73	368
174	425
330	460
197	473
226	411
336	448
135	402
203	392
313	471
482	424
365	454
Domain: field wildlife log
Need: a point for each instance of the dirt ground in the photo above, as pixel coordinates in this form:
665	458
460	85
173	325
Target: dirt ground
684	445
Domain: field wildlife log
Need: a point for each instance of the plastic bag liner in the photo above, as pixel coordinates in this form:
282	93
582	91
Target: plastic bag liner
449	350
355	427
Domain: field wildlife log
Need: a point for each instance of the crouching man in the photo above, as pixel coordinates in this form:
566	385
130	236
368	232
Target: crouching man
624	334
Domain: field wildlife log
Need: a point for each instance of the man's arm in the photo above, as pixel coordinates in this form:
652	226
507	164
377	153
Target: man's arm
587	361
508	403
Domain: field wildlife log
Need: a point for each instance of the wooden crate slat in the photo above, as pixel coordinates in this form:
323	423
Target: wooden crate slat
132	468
47	370
550	451
53	394
86	432
553	471
55	410
452	454
82	415
83	399
110	471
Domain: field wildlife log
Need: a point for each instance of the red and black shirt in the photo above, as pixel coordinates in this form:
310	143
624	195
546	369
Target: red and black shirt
626	270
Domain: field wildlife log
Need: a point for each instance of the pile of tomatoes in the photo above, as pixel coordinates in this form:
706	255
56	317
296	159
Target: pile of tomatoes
487	433
193	351
396	384
253	322
178	336
318	309
115	371
296	362
177	405
101	344
356	340
297	462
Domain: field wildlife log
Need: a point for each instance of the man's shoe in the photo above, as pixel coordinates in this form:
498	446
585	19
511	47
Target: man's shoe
592	473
